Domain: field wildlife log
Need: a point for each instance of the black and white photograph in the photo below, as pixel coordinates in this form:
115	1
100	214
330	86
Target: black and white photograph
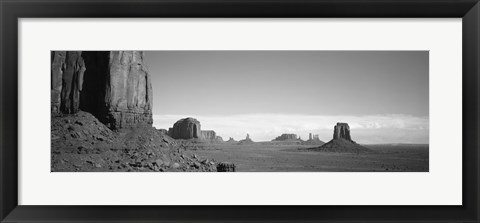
310	111
240	111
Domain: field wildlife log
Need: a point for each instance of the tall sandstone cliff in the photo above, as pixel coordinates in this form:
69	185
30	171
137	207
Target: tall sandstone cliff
114	86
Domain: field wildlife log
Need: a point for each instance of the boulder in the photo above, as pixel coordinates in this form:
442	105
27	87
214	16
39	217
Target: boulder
187	128
114	86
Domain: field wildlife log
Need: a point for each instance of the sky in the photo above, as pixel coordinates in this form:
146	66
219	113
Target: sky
383	95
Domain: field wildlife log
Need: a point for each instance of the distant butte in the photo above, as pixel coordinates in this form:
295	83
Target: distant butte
342	142
342	131
231	140
286	137
247	140
313	140
190	128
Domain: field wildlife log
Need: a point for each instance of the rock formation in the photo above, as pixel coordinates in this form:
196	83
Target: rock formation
312	136
342	142
219	139
81	143
287	137
209	135
163	131
342	131
114	86
313	140
94	92
67	73
187	128
190	128
231	140
247	140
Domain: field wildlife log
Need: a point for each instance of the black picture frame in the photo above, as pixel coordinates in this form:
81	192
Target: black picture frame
12	10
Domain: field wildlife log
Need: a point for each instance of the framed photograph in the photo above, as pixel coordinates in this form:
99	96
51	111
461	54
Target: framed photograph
268	111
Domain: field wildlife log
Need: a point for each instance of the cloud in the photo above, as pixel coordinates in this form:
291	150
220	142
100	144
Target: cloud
391	128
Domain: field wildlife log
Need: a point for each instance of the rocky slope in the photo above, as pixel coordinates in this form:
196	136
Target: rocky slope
314	141
342	146
80	142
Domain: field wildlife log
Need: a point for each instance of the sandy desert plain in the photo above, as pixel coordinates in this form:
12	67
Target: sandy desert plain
278	157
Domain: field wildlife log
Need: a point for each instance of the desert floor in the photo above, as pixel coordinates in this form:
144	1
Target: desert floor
264	157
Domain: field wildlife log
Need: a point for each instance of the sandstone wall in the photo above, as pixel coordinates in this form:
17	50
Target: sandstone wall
342	131
66	81
114	86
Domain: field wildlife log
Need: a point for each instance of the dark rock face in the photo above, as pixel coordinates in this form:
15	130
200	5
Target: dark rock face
286	137
342	131
67	73
187	128
190	128
114	86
